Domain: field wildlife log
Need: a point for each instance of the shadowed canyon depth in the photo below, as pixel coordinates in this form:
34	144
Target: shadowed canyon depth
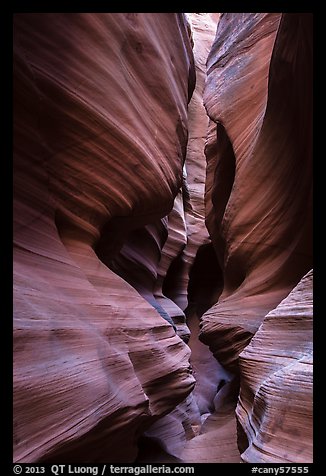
162	238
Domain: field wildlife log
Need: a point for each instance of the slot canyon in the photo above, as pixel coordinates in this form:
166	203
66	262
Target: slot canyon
162	271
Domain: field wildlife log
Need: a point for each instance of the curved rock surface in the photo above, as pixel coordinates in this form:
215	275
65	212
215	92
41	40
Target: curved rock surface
100	124
259	174
187	285
275	403
115	274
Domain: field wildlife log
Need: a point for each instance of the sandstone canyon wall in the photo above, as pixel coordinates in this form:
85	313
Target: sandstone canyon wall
115	272
258	206
100	124
275	404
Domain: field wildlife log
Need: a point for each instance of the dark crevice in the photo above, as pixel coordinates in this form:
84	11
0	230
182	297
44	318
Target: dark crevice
204	288
205	280
220	385
224	172
224	177
242	438
150	450
173	277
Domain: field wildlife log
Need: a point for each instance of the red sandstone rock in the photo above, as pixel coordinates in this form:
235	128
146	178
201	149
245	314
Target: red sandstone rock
259	173
275	403
109	216
186	234
217	441
100	123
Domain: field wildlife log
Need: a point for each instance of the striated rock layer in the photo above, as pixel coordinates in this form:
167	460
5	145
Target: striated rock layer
100	131
259	174
186	270
275	403
214	430
113	266
259	205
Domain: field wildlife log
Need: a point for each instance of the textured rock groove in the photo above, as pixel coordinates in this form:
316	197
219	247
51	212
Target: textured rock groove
162	237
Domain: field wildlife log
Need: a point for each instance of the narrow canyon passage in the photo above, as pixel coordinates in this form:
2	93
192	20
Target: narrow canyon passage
162	237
